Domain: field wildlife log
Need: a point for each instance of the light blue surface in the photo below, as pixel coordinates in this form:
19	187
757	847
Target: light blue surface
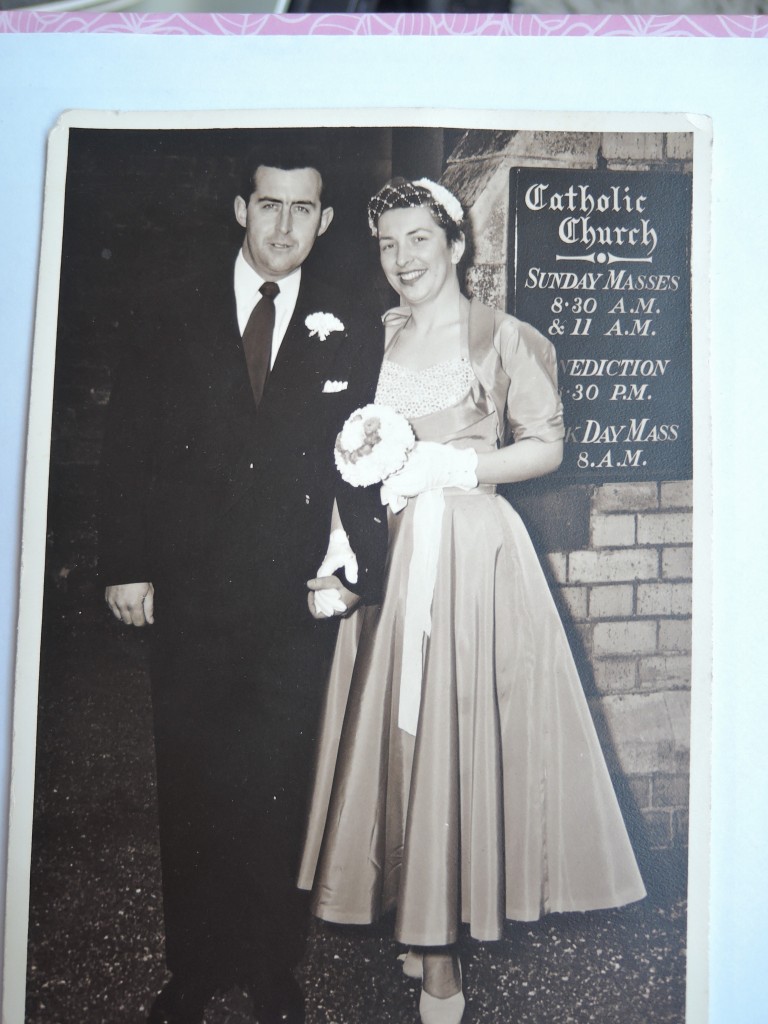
42	75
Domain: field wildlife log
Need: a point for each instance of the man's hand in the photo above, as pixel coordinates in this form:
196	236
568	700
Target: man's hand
328	597
132	603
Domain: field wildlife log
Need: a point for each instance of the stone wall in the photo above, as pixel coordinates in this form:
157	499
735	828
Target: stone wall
626	593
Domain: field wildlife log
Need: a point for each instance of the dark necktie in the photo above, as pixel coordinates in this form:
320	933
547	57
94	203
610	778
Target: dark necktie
257	338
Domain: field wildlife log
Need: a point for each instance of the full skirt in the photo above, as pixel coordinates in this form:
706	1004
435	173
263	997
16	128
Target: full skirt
501	805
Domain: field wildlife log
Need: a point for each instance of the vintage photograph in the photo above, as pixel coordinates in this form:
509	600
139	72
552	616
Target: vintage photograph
364	684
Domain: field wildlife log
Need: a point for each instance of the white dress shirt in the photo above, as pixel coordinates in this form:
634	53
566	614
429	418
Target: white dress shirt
247	294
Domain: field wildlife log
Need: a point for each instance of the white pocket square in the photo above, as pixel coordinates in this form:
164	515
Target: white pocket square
331	386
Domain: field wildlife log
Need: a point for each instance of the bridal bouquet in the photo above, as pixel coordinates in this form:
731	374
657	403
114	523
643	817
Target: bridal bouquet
373	443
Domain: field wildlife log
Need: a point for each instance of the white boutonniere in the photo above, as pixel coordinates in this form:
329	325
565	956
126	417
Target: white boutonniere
321	324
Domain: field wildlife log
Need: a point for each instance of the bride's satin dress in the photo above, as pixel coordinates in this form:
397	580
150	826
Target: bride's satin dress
501	805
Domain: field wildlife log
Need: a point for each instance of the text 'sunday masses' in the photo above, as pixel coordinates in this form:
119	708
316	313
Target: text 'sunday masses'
600	263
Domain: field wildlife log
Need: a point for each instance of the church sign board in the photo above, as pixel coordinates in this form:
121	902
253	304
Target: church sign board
599	262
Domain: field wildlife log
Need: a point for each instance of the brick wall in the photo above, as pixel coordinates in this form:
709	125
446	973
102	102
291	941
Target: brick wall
626	593
629	596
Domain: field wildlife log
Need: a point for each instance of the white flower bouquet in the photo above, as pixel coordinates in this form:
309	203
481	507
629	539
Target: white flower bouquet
373	443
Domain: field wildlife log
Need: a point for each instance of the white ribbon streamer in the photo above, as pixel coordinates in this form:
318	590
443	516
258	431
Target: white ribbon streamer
422	573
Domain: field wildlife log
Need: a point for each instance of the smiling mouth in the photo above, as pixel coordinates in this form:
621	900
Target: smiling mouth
409	276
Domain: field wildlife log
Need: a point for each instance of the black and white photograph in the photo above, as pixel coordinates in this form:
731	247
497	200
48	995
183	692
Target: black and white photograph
367	658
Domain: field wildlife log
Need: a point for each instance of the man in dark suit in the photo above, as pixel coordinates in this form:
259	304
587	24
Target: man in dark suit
219	485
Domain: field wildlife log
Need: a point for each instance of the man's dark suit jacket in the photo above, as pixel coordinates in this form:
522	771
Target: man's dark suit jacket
223	507
226	509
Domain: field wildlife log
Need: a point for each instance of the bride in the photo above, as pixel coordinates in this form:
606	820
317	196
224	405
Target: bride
460	778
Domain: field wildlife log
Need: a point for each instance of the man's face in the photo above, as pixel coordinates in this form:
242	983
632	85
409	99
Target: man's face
282	218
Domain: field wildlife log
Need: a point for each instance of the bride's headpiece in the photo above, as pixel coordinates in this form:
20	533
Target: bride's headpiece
400	194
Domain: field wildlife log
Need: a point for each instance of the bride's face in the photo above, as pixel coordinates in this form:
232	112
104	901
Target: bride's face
415	254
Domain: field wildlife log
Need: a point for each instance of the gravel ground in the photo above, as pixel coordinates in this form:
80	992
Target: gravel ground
96	942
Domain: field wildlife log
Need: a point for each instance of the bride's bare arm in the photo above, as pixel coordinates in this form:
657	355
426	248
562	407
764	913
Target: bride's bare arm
517	462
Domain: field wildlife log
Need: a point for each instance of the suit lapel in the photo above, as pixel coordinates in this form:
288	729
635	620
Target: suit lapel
303	362
214	350
293	388
214	346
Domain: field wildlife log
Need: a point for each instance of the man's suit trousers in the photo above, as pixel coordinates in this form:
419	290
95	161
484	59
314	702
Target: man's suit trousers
235	722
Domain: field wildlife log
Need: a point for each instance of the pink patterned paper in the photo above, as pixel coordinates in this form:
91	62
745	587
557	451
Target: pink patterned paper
722	26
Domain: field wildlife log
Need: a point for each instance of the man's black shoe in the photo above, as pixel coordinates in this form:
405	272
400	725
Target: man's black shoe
278	1000
181	1001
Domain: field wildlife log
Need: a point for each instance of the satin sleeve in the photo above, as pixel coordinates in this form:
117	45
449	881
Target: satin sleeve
533	407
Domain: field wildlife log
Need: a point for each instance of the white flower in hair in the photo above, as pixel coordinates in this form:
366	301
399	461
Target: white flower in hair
320	325
444	198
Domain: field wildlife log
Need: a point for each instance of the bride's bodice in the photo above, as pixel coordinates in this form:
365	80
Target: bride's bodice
502	386
417	393
444	402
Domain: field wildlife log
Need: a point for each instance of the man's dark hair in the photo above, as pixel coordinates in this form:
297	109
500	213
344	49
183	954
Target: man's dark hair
286	155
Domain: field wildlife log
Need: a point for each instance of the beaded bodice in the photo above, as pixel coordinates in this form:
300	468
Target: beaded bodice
421	392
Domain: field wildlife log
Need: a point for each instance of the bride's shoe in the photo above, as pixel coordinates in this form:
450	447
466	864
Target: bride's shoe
413	964
441	1011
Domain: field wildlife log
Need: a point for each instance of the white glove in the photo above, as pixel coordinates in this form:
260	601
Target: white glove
395	501
431	466
339	556
328	602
